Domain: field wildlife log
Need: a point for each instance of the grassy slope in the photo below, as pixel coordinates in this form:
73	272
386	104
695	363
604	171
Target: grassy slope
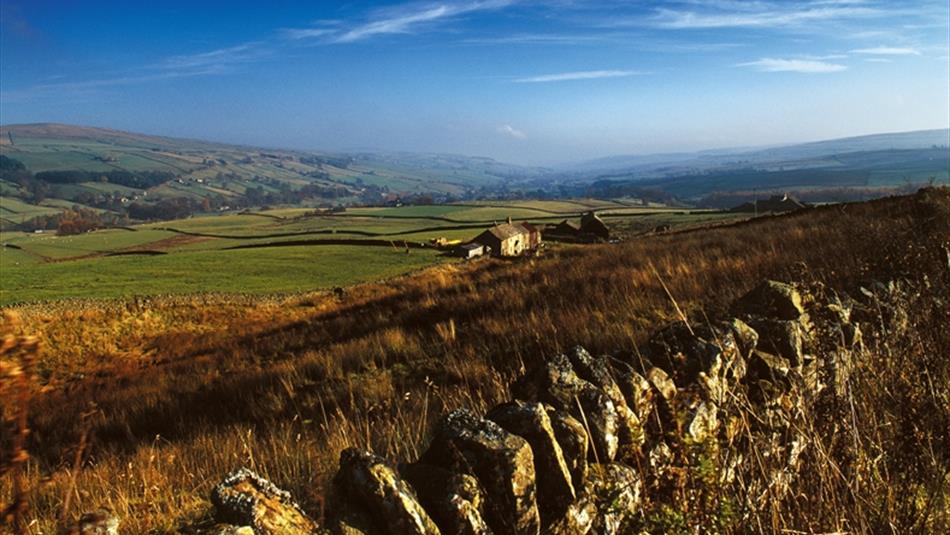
282	385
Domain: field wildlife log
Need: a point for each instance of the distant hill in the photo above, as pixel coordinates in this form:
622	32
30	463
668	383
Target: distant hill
873	164
53	131
921	139
797	155
113	170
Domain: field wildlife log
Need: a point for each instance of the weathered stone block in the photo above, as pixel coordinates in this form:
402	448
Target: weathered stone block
556	383
455	501
370	481
573	440
531	422
501	461
247	499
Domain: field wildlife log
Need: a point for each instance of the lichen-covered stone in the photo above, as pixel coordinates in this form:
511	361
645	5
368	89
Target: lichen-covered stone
767	376
531	422
597	372
455	501
769	367
783	338
502	462
577	520
348	517
573	440
556	383
840	365
683	354
636	389
773	299
616	491
745	336
98	522
704	422
660	458
367	478
247	499
662	383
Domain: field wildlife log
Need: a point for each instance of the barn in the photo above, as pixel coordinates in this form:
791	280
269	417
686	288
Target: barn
591	224
567	228
510	239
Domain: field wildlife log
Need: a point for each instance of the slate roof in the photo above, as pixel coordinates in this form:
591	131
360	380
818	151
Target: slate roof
505	231
775	203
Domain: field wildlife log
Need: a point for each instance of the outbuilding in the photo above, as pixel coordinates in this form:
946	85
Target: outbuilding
470	250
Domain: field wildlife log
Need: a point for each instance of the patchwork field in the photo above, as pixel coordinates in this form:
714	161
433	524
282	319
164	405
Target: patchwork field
279	250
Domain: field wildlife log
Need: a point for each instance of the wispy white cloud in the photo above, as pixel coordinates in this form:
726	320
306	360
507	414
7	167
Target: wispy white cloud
759	15
296	34
878	60
542	39
213	62
576	75
793	65
887	51
219	59
403	19
824	57
510	131
651	43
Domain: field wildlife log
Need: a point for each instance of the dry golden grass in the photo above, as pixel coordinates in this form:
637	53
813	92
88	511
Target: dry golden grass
186	389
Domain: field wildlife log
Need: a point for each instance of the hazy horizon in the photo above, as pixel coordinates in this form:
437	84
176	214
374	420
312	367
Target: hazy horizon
520	81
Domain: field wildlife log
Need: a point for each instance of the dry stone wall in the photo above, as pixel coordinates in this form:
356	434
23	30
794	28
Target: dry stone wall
588	438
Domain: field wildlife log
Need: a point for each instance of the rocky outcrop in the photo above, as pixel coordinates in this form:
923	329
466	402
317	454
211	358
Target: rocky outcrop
588	438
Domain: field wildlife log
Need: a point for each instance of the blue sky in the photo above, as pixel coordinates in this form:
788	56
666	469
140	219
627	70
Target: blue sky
522	81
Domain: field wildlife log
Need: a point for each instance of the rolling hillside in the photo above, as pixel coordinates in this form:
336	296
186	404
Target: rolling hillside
96	166
129	176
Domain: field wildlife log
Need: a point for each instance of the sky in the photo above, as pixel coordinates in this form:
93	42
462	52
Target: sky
530	82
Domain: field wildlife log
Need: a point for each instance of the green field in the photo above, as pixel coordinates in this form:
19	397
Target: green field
269	270
198	254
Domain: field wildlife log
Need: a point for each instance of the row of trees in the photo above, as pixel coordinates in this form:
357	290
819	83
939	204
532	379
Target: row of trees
76	220
139	180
